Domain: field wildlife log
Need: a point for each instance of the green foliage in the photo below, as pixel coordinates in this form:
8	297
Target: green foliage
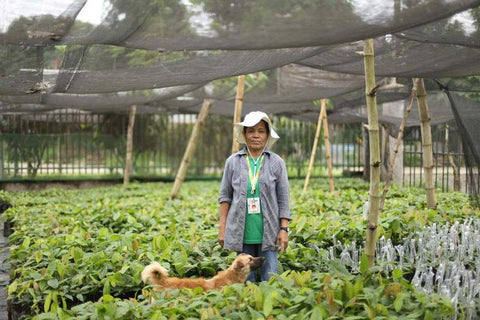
290	295
29	148
78	254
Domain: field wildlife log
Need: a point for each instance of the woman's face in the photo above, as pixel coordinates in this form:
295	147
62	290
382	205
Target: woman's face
256	137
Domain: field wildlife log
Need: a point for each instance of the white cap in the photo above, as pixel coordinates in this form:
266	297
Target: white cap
250	120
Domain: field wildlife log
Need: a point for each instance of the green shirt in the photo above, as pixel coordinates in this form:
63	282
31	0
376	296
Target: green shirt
253	222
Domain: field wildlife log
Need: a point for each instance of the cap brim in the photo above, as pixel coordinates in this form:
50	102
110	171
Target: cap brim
239	136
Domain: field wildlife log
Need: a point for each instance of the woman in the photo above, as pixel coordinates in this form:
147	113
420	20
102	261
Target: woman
254	196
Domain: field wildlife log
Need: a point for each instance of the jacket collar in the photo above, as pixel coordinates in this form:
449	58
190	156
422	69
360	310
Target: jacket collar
243	151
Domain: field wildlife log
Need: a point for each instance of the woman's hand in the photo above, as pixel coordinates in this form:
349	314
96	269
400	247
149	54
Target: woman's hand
224	207
282	240
221	236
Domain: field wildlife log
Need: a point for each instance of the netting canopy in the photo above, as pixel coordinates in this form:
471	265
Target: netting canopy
95	54
162	56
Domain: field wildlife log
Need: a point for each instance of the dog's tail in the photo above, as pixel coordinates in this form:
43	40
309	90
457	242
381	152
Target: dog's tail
153	273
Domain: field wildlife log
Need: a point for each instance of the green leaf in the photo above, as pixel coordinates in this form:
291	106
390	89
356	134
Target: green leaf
370	312
268	303
48	316
258	296
317	313
26	242
48	301
157	315
358	287
398	302
300	224
122	310
106	287
77	254
298	299
116	215
38	256
397	274
382	309
364	264
118	279
159	243
117	257
349	289
12	287
334	266
61	270
53	283
428	315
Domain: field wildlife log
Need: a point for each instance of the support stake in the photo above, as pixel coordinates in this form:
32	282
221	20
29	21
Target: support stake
327	147
314	148
426	131
192	145
395	151
128	158
238	109
374	142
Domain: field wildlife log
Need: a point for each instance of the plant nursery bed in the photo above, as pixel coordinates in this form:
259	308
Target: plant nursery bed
78	254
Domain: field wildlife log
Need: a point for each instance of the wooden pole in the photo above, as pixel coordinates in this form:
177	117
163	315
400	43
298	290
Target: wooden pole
314	148
192	144
237	116
128	158
374	141
456	174
327	146
426	131
395	151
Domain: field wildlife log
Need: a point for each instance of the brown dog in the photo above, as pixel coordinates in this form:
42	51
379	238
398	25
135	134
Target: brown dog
238	272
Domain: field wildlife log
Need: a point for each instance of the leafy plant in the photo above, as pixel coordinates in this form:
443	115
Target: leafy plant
84	254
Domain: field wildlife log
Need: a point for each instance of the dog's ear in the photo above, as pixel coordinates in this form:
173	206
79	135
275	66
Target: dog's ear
239	265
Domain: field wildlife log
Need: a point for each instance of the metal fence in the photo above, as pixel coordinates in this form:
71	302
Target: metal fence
449	171
68	143
72	144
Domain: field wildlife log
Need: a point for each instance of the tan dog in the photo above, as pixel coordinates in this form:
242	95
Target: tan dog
238	272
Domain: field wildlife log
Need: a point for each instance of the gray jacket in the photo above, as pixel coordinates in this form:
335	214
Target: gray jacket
274	198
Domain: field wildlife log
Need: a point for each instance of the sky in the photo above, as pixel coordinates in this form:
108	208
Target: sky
12	9
92	11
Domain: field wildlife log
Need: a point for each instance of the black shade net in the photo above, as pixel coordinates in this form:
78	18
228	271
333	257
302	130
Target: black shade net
165	57
467	116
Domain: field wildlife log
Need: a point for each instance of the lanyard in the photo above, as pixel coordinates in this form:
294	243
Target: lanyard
254	176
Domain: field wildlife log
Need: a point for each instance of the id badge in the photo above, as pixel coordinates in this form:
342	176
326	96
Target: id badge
253	205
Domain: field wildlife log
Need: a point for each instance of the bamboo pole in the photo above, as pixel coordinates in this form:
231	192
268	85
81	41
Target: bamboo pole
192	145
129	148
327	146
395	151
238	109
456	174
314	148
374	141
426	131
